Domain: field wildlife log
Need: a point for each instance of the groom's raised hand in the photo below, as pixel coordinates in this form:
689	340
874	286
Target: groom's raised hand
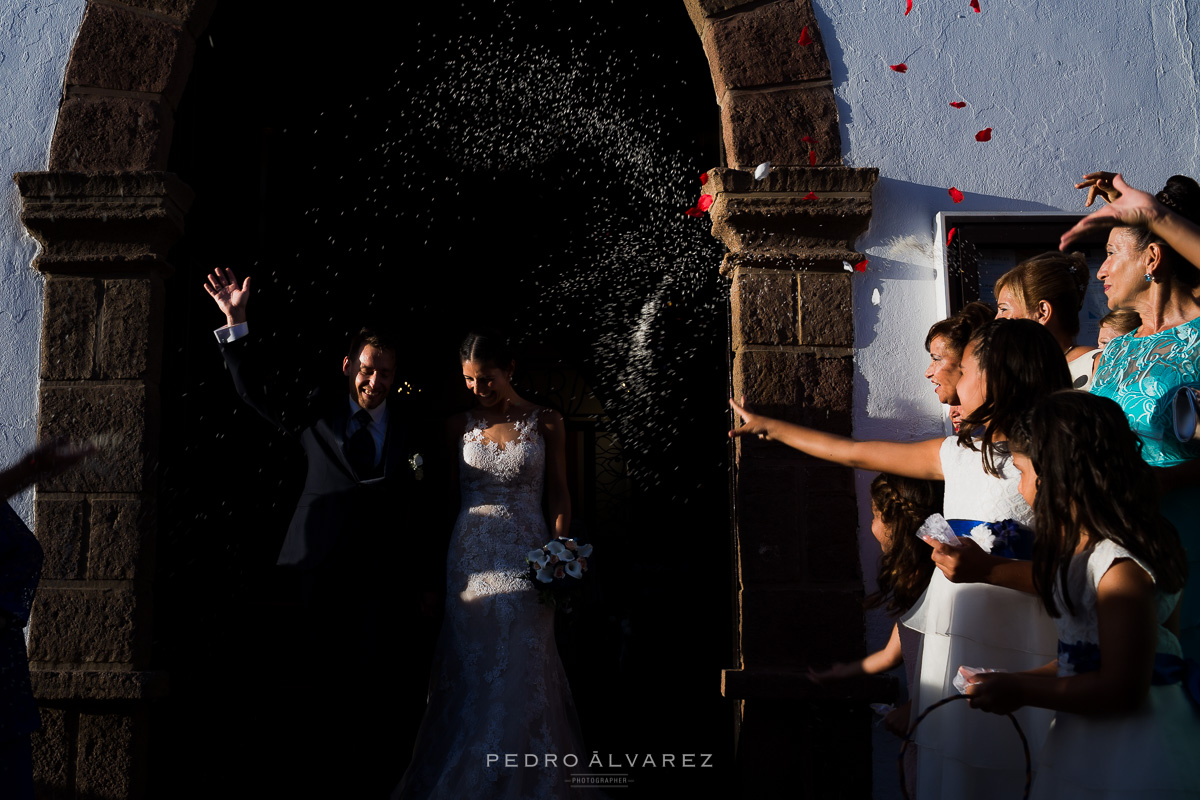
222	286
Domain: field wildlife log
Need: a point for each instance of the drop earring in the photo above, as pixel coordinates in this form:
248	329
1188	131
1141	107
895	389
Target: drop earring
1149	277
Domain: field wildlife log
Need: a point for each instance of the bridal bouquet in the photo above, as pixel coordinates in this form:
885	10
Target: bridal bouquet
555	570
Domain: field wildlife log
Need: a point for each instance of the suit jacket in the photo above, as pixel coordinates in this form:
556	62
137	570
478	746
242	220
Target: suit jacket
338	512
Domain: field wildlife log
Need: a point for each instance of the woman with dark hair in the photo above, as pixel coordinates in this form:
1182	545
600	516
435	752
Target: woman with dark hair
1109	568
1049	289
944	343
979	607
1153	248
497	687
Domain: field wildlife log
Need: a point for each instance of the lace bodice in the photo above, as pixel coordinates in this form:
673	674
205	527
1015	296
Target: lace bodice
971	493
491	473
1141	373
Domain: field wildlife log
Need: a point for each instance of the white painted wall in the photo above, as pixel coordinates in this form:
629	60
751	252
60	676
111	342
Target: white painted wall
35	41
1067	86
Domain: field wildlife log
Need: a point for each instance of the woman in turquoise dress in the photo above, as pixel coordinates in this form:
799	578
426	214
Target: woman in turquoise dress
1153	248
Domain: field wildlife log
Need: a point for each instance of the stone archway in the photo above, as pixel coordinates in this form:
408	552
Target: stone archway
106	215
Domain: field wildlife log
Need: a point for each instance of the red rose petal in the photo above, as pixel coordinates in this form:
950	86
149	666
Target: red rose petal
805	39
899	67
956	195
706	201
703	178
811	196
908	8
975	5
812	158
958	104
694	212
950	236
861	266
984	135
808	140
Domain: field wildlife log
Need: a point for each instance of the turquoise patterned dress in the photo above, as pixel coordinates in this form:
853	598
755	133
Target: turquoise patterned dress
1142	374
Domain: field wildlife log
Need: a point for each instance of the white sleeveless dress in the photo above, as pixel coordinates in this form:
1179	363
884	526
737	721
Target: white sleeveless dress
964	752
497	687
1152	753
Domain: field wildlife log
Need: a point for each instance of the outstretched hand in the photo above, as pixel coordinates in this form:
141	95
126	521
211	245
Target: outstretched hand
43	462
1099	184
231	298
1130	207
752	424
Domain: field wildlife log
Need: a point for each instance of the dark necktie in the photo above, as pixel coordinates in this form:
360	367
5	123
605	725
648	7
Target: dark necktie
361	447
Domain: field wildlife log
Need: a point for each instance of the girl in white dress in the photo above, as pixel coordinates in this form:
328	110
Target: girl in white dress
1006	367
1109	568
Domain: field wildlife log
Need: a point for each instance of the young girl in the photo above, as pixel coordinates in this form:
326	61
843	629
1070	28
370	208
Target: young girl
1007	366
1117	323
899	506
1109	568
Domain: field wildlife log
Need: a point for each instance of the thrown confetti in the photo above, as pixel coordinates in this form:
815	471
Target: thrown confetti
694	212
958	104
898	67
703	178
908	8
705	203
956	195
846	266
805	39
975	5
812	158
950	235
811	196
861	266
874	297
984	135
761	170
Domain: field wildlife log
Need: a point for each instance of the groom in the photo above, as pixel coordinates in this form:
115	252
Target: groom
369	588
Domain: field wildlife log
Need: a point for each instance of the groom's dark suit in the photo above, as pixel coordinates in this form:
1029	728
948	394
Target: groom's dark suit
366	551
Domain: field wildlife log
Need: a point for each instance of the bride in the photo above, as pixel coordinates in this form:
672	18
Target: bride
500	717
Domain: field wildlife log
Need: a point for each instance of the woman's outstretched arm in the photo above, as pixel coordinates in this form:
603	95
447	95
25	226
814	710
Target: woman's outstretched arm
911	459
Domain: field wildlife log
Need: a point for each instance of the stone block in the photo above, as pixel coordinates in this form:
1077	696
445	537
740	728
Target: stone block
131	309
793	180
193	14
61	527
770	125
69	328
830	539
826	310
108	134
801	627
113	416
86	626
79	684
53	754
809	388
111	755
760	47
764	309
817	229
121	49
121	542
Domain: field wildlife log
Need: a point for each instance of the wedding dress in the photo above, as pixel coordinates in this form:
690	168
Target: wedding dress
500	718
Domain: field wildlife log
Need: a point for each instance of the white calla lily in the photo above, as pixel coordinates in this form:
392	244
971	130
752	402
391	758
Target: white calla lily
538	557
556	548
584	551
546	574
575	569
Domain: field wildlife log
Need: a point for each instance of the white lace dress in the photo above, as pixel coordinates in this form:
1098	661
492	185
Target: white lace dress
500	710
963	752
1150	754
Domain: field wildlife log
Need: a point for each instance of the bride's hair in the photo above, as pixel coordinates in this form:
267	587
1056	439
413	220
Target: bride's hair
486	347
903	504
1106	491
1021	363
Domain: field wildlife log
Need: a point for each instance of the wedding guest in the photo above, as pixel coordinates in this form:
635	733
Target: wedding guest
979	606
1153	248
1110	569
1049	290
944	343
20	570
1117	323
899	506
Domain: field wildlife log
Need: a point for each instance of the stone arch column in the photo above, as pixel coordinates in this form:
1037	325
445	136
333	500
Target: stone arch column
105	215
790	236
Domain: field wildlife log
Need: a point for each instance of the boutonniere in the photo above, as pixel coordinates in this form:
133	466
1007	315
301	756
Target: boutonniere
415	463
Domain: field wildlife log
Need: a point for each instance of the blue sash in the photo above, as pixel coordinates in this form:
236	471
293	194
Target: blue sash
1012	539
1168	669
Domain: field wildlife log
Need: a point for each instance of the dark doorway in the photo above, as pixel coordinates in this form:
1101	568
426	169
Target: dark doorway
524	166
